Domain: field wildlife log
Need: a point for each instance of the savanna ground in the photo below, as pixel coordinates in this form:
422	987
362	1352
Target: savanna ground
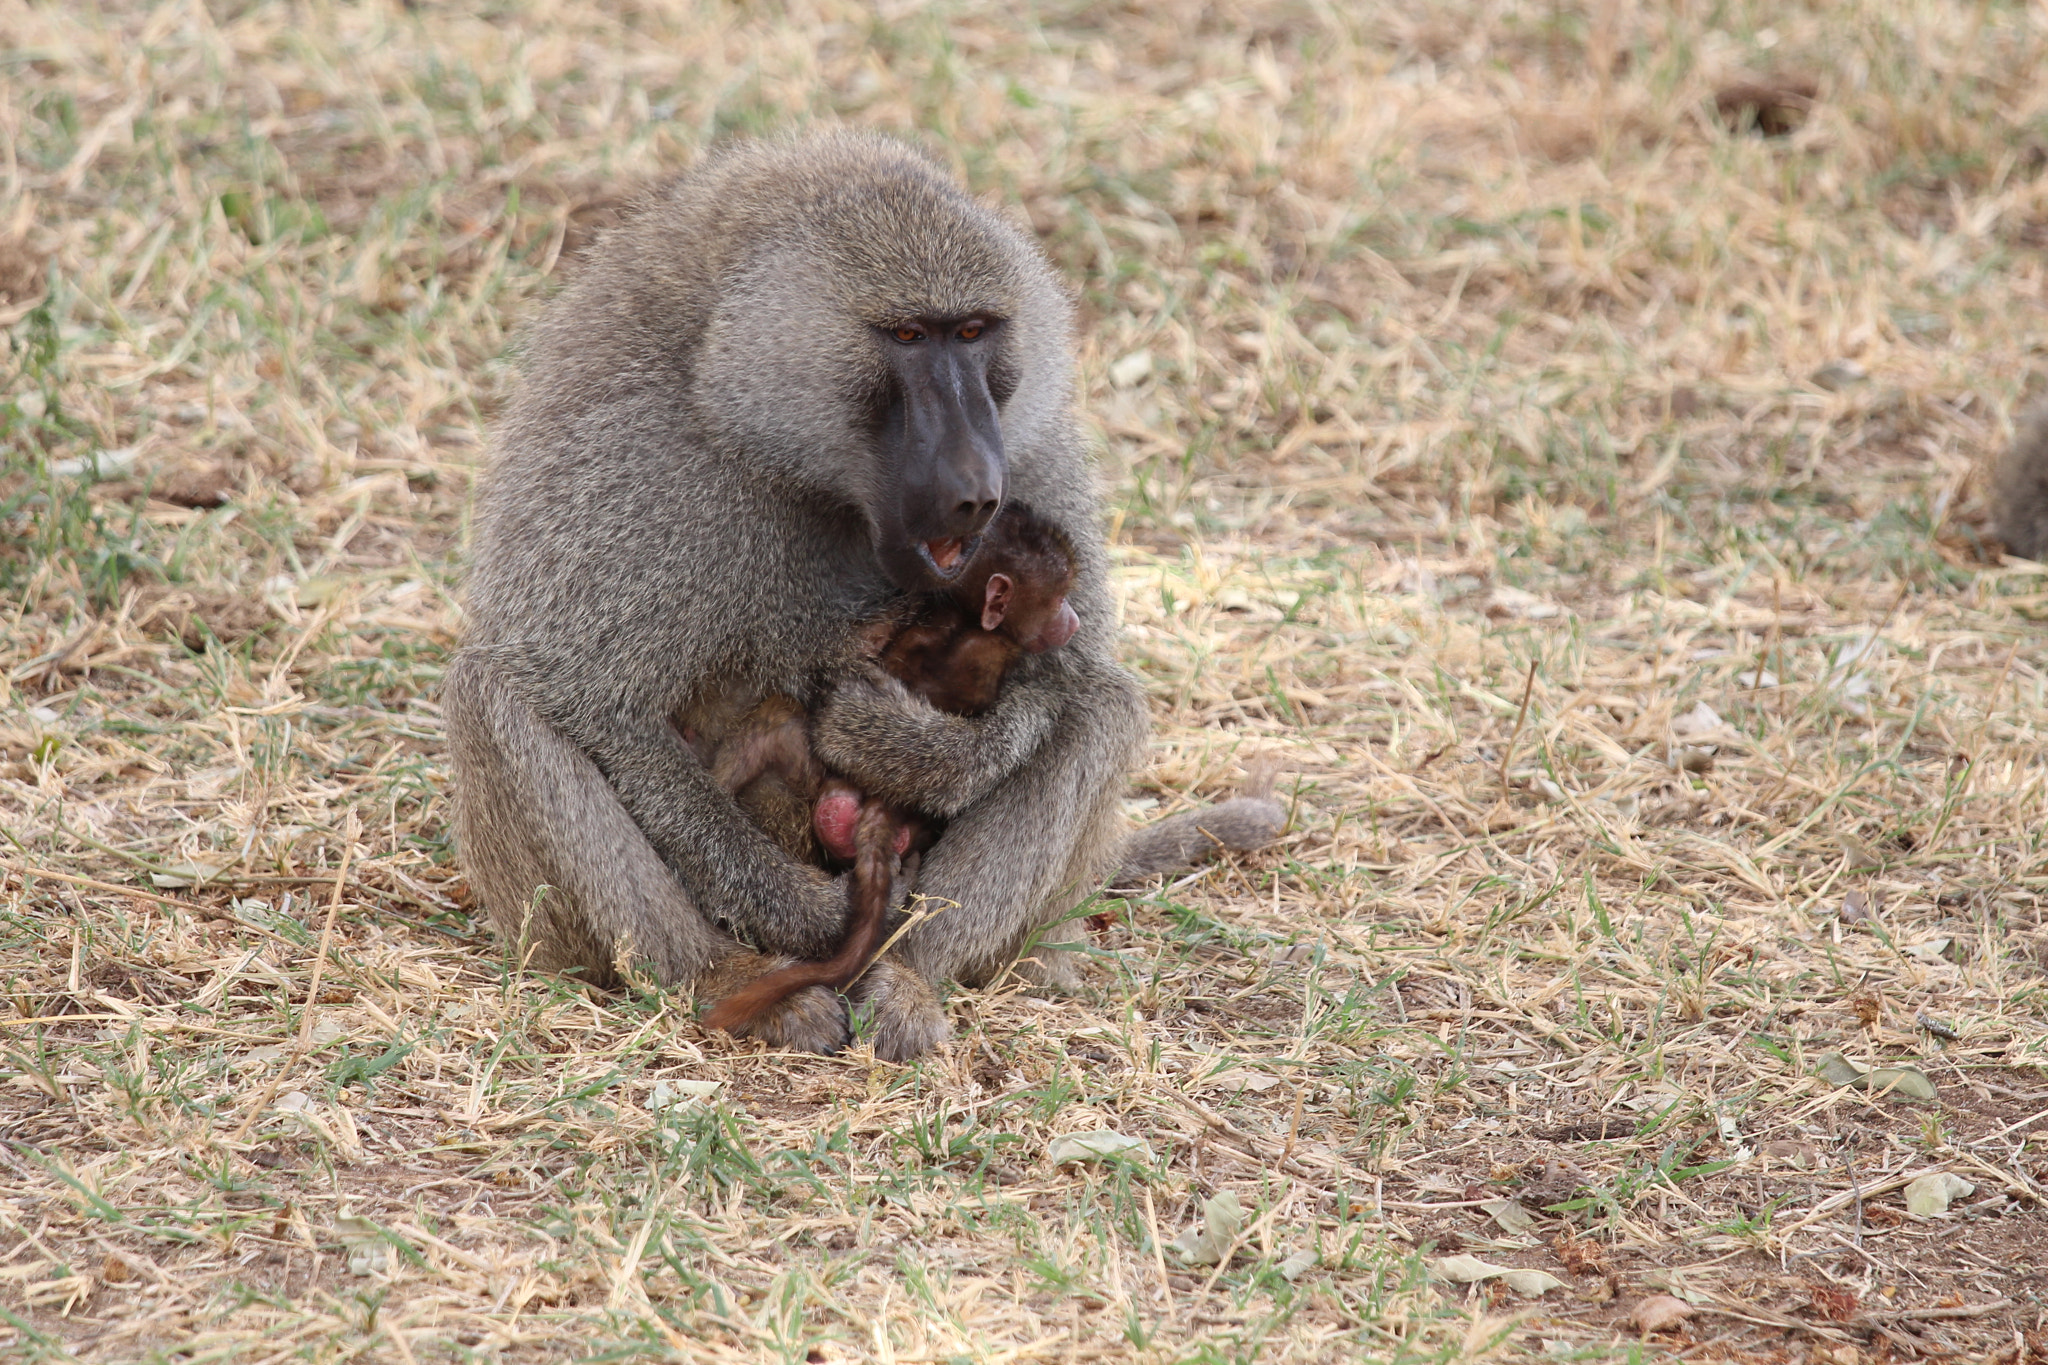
1553	433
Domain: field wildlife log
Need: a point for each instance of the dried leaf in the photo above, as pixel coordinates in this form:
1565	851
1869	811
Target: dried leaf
1470	1270
1100	1145
1507	601
1905	1081
680	1095
1464	1269
1909	1081
1862	857
1660	1313
1701	720
1774	106
1299	1264
1131	370
318	592
1802	1156
1239	1080
1210	1241
100	464
174	876
1837	375
1510	1214
1531	1284
368	1252
1929	950
1929	1196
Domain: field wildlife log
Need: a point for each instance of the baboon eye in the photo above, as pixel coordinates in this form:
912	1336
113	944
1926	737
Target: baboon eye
970	330
907	334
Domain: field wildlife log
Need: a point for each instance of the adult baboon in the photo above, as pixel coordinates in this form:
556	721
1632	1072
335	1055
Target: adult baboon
796	382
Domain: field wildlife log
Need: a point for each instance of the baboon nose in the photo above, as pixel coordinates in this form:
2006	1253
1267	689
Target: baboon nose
971	517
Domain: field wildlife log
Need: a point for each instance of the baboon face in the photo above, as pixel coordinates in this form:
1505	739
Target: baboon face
1035	615
1027	568
874	338
939	443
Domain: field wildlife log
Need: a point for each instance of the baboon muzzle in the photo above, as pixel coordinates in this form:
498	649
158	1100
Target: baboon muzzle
948	451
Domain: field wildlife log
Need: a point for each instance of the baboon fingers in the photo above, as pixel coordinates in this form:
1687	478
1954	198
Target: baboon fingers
898	746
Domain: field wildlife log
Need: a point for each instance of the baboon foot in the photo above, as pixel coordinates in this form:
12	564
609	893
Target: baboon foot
1051	971
810	1020
901	1011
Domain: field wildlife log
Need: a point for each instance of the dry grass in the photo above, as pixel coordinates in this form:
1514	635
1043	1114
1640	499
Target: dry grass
1430	345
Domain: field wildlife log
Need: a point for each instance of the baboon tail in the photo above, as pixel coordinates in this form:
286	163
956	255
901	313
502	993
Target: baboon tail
1193	837
2020	488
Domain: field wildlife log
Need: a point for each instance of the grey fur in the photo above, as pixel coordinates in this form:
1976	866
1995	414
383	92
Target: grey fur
2020	488
1192	837
674	522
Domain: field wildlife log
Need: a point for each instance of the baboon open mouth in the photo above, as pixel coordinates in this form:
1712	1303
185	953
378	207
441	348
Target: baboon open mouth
945	555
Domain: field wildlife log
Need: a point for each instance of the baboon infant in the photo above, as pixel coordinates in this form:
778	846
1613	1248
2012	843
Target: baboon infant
953	649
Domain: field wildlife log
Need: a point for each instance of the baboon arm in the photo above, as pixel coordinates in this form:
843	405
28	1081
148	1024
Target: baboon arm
897	746
732	868
1034	845
729	866
533	812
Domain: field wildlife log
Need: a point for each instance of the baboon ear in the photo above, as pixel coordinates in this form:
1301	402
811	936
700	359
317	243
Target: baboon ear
996	602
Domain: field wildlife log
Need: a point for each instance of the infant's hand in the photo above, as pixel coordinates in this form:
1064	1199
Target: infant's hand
871	639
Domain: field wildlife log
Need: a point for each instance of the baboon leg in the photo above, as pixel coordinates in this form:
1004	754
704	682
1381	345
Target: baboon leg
904	1016
567	875
775	737
549	850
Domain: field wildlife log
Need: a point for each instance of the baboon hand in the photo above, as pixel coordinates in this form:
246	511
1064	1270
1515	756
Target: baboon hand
899	747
